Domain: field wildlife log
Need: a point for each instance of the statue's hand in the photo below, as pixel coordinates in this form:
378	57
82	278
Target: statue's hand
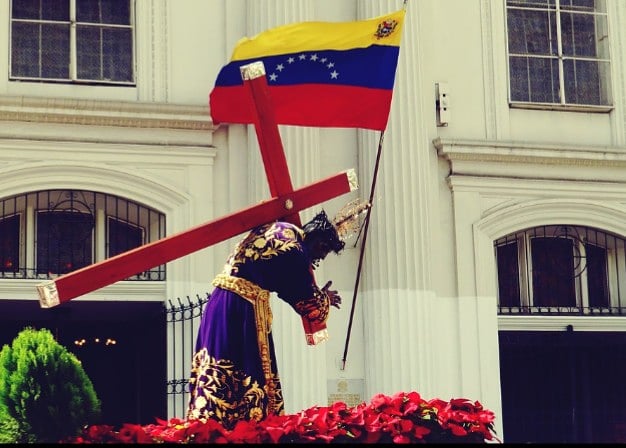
333	295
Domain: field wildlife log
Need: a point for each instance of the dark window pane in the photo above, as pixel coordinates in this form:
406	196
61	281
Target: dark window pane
508	275
553	272
534	79
10	244
28	59
123	237
104	53
41	9
532	32
26	9
55	52
89	52
578	5
578	32
544	80
117	55
582	82
531	3
518	69
597	278
103	11
25	38
64	241
55	10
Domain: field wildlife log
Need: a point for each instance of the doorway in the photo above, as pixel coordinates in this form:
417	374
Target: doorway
563	387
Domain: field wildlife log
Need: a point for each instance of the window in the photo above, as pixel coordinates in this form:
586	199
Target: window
64	241
87	41
54	232
558	53
561	269
9	243
123	236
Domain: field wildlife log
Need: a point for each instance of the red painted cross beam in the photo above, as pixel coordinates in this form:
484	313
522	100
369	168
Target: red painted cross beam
284	204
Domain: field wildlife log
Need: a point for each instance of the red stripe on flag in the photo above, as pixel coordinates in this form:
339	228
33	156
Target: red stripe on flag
316	105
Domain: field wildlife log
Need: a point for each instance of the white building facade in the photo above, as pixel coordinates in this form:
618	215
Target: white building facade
467	161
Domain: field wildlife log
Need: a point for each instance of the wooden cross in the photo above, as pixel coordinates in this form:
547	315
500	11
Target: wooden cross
284	204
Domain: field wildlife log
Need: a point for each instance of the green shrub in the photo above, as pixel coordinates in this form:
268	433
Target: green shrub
44	388
9	428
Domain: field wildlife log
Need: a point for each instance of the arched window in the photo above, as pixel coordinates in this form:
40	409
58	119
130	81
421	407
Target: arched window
48	233
561	269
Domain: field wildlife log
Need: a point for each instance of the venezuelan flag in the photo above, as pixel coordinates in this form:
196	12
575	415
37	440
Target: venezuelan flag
320	74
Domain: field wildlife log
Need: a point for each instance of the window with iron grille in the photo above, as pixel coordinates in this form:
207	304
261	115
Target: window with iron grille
561	269
54	232
86	41
558	54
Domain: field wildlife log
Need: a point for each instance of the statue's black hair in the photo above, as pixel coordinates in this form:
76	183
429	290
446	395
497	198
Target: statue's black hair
321	225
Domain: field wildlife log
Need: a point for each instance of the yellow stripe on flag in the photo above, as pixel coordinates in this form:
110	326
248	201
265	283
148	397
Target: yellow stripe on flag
312	36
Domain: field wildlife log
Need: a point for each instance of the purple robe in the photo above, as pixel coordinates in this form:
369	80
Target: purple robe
234	374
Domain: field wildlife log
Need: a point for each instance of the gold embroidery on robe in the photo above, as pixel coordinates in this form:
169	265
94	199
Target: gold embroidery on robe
269	243
259	298
215	384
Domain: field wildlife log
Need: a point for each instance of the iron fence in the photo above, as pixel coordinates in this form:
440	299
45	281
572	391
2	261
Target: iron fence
182	322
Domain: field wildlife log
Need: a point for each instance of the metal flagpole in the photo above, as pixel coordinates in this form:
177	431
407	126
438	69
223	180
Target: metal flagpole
362	253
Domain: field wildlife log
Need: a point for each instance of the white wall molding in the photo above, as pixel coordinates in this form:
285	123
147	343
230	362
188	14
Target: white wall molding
518	151
104	113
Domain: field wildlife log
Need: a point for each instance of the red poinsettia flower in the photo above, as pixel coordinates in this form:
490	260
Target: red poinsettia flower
206	432
130	433
457	430
419	432
99	433
246	432
379	401
276	427
401	418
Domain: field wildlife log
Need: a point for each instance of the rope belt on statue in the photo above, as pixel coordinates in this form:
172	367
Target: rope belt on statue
260	300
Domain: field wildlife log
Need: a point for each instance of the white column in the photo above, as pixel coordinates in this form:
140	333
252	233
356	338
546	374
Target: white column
302	368
398	302
414	339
